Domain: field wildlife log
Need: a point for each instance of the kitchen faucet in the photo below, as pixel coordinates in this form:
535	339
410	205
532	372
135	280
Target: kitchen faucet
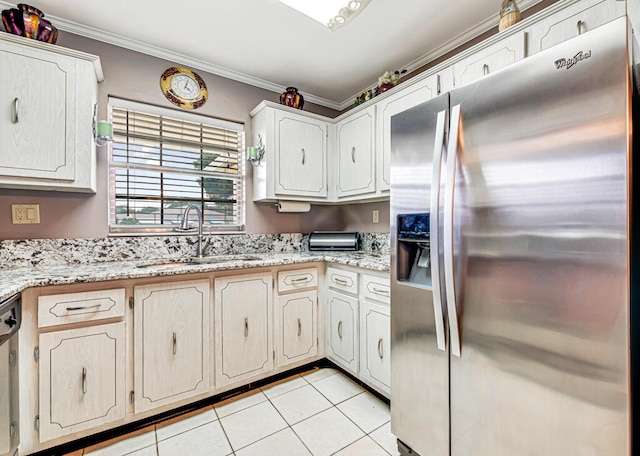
184	227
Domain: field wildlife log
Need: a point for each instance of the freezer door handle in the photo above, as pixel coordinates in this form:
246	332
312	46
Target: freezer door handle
449	277
434	228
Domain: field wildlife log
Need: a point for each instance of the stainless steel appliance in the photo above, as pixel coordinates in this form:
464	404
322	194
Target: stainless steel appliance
333	240
10	320
510	264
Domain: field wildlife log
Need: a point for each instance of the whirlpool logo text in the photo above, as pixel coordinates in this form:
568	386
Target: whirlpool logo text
572	61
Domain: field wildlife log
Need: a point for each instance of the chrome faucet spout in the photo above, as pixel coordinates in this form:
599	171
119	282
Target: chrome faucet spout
184	226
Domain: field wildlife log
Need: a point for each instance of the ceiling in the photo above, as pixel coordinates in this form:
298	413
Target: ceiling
267	44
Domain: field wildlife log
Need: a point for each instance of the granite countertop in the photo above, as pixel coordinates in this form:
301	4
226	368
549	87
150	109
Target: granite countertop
15	280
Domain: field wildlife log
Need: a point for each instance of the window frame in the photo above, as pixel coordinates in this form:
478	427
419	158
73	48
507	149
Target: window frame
112	166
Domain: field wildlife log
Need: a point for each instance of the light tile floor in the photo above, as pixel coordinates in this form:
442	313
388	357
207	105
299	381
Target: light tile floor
319	413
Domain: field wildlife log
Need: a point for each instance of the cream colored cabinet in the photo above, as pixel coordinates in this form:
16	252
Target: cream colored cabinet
410	96
47	100
82	379
296	323
342	330
486	60
375	333
243	327
573	20
295	163
171	343
355	147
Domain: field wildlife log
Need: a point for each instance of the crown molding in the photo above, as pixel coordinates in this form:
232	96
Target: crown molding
155	51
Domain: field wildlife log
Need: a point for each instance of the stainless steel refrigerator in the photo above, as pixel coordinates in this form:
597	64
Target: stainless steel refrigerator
510	263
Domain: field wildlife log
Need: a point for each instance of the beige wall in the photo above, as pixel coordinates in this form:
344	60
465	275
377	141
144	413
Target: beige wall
135	76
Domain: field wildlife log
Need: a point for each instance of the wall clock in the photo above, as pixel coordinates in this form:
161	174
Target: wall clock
183	88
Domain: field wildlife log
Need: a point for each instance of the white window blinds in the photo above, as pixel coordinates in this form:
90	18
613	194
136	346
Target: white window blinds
163	161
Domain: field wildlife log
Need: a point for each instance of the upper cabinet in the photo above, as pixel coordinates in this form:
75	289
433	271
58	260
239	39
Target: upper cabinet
46	129
295	161
573	20
355	149
482	62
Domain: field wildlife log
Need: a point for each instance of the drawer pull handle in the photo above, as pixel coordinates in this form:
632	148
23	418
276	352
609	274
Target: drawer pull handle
340	281
485	69
175	343
381	291
84	380
304	156
299	328
340	329
71	309
353	154
579	27
246	327
15	110
380	354
300	280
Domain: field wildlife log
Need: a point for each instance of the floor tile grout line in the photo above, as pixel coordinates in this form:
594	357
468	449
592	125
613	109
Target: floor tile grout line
233	452
377	429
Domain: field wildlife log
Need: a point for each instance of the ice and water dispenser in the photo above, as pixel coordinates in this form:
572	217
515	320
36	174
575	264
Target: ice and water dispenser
414	254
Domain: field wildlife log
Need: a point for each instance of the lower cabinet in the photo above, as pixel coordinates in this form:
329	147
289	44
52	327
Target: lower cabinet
171	343
296	327
243	327
375	346
82	379
342	330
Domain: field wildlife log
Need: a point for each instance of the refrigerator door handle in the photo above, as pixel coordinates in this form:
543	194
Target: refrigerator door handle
449	277
434	229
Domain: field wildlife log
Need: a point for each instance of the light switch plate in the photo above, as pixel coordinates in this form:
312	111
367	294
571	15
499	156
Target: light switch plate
25	214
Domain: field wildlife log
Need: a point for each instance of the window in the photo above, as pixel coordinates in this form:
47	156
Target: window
164	160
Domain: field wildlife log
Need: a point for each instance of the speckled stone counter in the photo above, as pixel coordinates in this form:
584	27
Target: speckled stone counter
37	263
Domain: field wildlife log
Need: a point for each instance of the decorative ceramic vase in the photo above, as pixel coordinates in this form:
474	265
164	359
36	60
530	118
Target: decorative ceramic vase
385	86
509	14
29	22
292	98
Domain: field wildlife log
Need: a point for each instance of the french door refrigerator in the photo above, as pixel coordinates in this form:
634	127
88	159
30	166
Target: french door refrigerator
510	263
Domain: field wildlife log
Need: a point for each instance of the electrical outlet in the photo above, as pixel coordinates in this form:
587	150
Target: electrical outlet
25	214
376	216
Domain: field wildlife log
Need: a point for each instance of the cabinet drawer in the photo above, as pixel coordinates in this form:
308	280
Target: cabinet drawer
340	279
63	309
376	288
298	279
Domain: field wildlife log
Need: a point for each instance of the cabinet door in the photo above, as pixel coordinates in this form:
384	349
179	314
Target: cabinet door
342	330
243	331
82	379
5	405
578	18
171	335
375	339
489	59
296	327
409	97
301	161
37	91
355	143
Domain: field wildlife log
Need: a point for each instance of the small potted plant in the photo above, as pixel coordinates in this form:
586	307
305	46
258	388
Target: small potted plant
389	80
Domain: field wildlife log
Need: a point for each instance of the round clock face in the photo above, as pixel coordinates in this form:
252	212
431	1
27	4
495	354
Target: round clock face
183	88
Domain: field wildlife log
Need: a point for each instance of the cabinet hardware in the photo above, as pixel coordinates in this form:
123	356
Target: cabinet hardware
300	279
438	88
340	281
485	69
15	110
303	156
579	27
340	329
299	328
131	302
381	291
36	354
13	430
69	309
84	380
175	343
353	154
132	397
12	358
380	354
274	355
36	423
246	327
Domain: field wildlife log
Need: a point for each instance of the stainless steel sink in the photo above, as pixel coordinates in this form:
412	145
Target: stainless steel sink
199	261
